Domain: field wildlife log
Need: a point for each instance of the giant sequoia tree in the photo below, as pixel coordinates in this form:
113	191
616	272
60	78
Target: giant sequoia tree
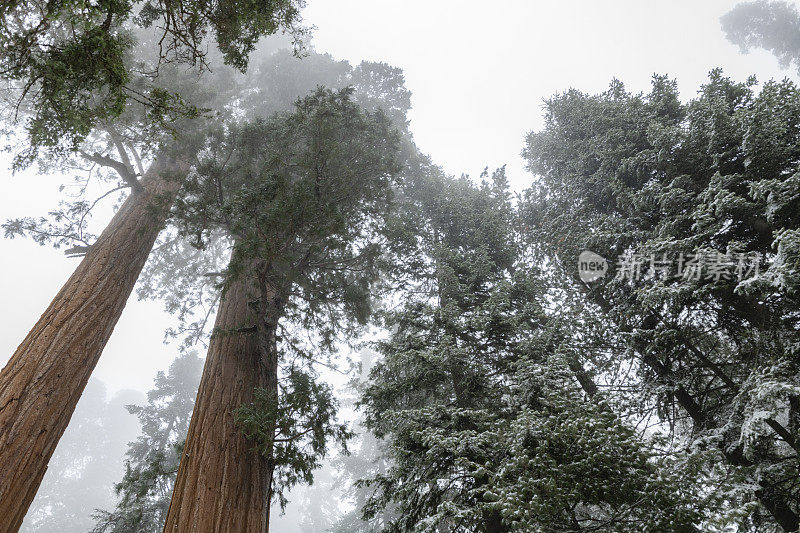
299	198
185	272
97	80
698	205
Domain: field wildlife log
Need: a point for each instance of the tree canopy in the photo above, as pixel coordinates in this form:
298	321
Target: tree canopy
70	66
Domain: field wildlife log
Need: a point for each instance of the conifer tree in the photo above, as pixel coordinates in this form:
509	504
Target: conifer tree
298	197
769	25
694	206
101	84
487	425
151	462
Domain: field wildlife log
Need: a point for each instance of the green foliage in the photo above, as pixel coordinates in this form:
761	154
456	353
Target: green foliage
66	55
571	465
305	192
296	433
624	175
237	26
70	66
275	83
486	426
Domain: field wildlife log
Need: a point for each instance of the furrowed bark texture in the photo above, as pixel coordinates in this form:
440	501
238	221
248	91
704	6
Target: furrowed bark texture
44	379
223	483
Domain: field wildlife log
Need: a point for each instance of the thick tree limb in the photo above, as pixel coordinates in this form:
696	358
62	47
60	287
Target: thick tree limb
136	158
119	143
76	251
124	172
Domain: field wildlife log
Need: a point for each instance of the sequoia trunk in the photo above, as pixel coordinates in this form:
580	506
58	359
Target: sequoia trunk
223	482
44	379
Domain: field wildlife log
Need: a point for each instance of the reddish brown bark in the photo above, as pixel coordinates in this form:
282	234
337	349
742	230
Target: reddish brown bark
223	482
43	380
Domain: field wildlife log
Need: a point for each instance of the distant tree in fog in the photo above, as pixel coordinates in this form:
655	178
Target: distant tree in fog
86	463
152	460
773	26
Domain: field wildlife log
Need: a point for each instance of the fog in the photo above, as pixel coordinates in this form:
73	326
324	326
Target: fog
479	74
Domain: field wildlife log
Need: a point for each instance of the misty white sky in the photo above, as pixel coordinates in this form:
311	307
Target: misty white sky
478	71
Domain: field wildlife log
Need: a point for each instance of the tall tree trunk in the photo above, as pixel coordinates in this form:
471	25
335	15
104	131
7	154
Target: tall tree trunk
223	482
44	379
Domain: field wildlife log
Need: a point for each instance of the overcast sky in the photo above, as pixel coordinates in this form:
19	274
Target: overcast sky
479	73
